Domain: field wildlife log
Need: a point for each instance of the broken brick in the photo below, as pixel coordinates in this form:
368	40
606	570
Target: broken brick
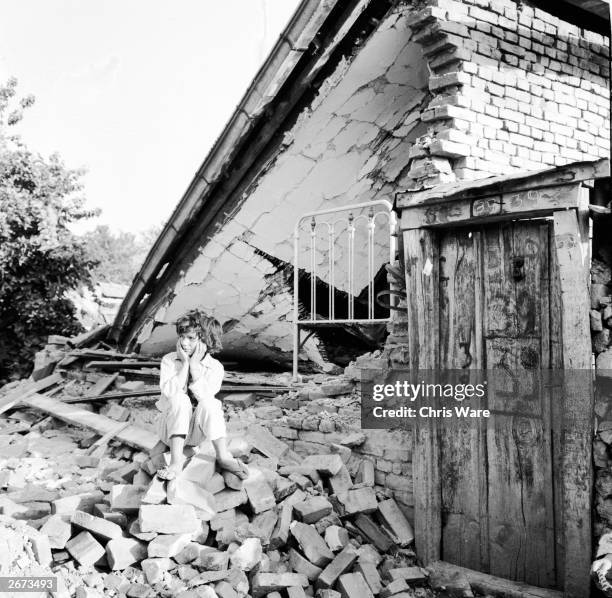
336	537
168	519
312	544
229	499
85	549
58	530
122	552
156	492
360	500
126	497
167	545
185	492
154	569
396	522
313	508
264	583
248	555
373	532
96	525
341	564
370	574
353	585
329	464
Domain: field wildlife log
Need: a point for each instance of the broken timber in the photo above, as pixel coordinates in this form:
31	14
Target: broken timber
486	584
131	435
23	391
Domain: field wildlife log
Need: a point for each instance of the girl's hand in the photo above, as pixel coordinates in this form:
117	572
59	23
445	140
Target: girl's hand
182	354
195	361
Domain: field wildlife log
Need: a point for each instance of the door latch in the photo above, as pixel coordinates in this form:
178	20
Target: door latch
518	268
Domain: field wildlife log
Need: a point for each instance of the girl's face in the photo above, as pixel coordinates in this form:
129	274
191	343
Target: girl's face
189	341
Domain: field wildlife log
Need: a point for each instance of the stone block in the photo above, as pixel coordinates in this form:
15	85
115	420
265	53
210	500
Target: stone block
167	545
230	499
154	569
155	493
396	522
135	531
342	562
224	589
370	574
262	526
373	532
325	593
123	552
199	469
58	529
336	537
126	497
302	565
266	443
408	574
248	555
96	525
394	587
240	400
360	500
185	492
41	548
366	473
168	519
85	549
264	583
312	509
284	488
353	585
312	544
214	560
82	502
260	495
341	482
215	484
296	592
328	464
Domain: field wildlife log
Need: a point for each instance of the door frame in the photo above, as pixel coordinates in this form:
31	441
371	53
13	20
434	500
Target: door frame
561	195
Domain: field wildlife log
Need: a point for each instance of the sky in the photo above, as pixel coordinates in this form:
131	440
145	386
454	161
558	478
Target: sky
134	91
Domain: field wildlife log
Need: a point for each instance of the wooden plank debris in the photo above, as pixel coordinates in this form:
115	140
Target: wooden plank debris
106	438
89	337
486	584
17	395
102	385
131	435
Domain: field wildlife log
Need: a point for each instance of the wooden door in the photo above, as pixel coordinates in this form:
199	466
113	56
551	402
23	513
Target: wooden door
497	474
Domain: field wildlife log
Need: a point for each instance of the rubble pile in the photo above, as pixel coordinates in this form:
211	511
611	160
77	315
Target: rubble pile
601	314
296	526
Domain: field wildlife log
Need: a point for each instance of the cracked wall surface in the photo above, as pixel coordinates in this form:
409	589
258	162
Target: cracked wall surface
350	145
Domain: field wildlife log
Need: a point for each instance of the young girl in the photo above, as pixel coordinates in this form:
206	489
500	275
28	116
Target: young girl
189	380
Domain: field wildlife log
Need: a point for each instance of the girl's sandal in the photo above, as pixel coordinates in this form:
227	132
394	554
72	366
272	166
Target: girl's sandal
166	473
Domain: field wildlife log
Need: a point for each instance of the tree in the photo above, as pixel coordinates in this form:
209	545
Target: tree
40	259
120	253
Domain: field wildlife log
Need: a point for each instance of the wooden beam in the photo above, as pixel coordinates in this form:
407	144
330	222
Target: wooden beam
513	183
576	425
89	337
490	585
421	263
507	206
132	435
23	391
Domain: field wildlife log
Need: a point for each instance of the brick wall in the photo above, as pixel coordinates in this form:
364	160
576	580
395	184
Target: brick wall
514	88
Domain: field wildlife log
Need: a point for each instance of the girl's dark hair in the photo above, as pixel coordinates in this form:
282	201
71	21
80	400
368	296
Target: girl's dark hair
206	327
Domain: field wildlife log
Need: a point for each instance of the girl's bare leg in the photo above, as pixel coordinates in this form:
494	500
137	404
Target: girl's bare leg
177	444
227	461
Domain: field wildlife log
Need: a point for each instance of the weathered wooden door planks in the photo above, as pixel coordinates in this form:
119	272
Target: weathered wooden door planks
497	476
